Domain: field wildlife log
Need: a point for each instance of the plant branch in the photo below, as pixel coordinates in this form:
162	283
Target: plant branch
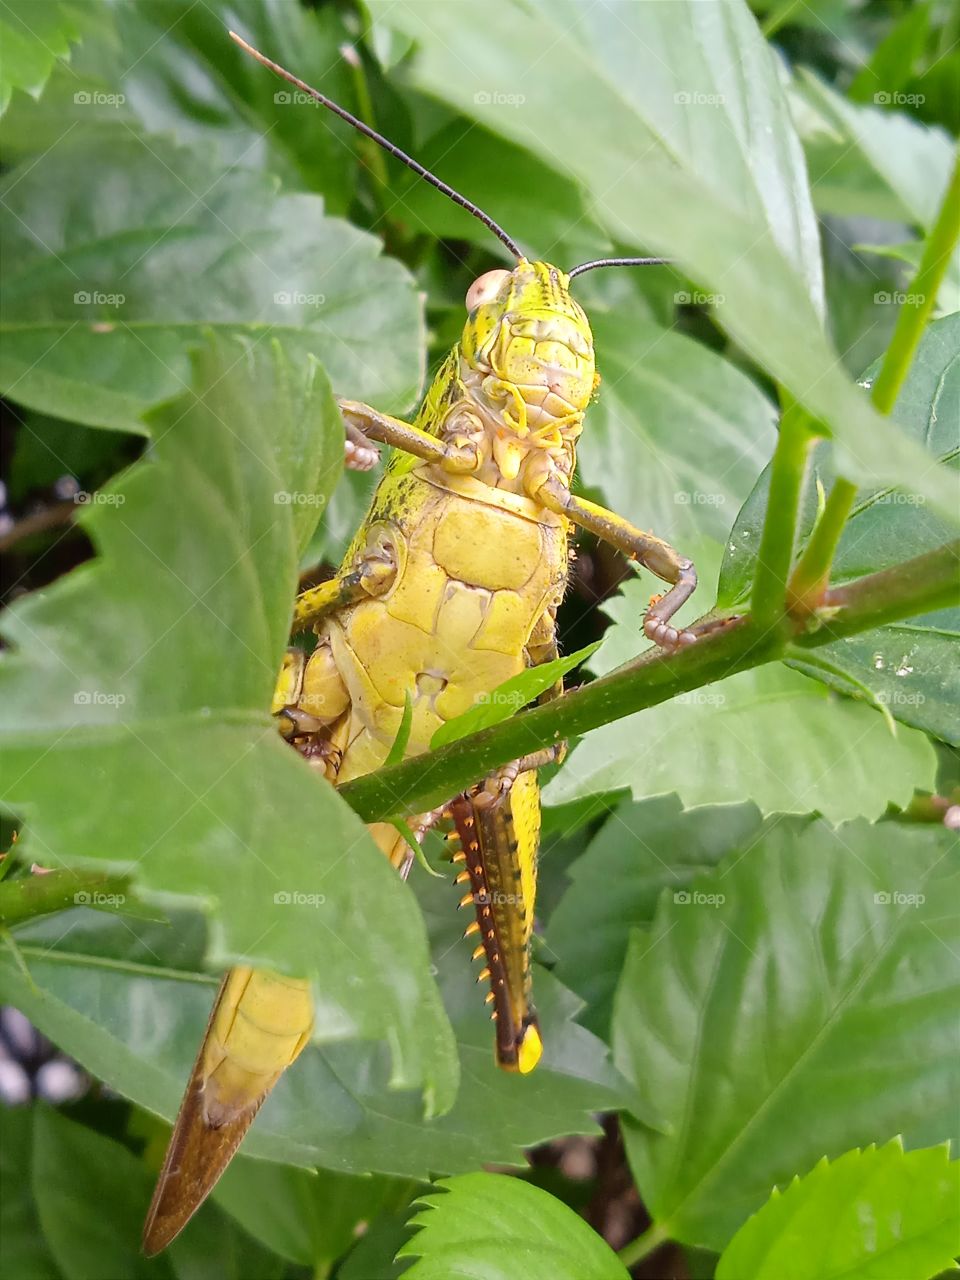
812	574
422	782
928	582
643	1245
39	895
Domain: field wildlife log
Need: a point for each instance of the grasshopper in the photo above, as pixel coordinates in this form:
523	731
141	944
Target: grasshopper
450	586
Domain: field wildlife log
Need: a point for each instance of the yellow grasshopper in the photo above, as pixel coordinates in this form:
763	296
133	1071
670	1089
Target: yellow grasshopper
450	586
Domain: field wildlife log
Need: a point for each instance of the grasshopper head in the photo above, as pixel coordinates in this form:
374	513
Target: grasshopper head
532	343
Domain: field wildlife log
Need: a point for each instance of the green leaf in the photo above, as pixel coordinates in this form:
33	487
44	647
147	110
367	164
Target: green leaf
97	1233
514	1229
399	748
499	177
686	57
307	1217
180	70
801	1000
614	886
33	37
911	252
166	708
213	1247
768	735
130	1001
892	62
867	161
168	67
714	176
108	287
862	289
47	449
871	1215
908	668
508	697
24	1251
681	483
375	1252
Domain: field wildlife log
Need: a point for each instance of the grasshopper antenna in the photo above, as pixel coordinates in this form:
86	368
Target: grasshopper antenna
618	262
387	145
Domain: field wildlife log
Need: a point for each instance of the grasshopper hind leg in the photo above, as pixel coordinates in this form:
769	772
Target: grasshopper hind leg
499	832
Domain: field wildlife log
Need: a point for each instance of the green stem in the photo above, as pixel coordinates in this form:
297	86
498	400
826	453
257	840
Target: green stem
812	574
644	1245
775	555
813	569
927	582
38	895
921	585
425	781
912	320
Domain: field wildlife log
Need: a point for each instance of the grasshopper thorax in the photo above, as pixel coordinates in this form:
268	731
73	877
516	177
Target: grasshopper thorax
527	352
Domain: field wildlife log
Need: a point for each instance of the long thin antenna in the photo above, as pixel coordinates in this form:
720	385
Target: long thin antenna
387	145
618	262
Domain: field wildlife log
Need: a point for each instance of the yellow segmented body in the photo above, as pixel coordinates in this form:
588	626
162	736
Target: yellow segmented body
461	574
477	572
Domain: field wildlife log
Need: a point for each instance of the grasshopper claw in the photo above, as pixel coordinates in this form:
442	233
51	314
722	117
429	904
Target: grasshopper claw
666	636
359	456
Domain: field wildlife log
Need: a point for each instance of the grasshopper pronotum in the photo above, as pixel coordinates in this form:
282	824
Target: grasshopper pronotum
450	586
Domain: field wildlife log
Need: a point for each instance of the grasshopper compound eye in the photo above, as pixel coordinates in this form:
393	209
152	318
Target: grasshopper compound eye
485	288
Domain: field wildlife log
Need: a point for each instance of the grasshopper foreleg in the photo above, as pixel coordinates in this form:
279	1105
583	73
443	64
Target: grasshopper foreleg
315	603
358	453
652	552
369	424
373	572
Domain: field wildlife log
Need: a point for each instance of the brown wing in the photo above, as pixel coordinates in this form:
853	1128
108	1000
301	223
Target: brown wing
196	1157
